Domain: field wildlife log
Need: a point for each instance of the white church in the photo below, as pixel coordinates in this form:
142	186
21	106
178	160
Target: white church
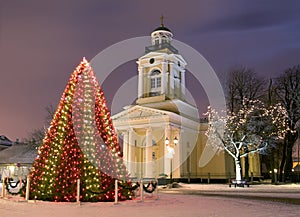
161	133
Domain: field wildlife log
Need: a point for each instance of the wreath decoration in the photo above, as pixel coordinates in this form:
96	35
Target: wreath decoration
133	187
150	187
8	183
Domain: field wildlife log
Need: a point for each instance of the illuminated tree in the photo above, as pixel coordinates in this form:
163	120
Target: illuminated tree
243	83
80	144
252	129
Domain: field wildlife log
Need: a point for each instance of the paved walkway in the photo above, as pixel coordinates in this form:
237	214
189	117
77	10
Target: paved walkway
289	193
189	201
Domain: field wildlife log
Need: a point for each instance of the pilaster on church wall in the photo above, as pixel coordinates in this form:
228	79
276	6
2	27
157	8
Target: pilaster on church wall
171	81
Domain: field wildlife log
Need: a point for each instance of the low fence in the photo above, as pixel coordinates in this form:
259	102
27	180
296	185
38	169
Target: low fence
141	188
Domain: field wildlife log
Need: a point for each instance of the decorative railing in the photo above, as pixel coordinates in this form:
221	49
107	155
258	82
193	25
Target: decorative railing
156	47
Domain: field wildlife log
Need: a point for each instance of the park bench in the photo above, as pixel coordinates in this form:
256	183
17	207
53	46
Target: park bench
242	183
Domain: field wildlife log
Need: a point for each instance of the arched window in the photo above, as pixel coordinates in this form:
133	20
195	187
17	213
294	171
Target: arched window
164	39
156	40
155	82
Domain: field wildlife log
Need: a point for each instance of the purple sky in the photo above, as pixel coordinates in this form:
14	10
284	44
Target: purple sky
41	42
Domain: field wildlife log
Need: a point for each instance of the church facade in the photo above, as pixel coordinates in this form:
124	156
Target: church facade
161	133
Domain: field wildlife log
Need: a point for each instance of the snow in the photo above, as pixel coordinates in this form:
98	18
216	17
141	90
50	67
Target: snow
190	200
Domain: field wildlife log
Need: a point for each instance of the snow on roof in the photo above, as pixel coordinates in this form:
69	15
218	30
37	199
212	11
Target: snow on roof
18	153
4	141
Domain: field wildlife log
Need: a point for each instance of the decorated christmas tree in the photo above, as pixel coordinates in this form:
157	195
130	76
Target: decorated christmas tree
80	144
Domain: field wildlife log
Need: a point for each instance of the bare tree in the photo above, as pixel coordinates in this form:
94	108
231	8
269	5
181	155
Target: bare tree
252	129
36	137
287	89
243	83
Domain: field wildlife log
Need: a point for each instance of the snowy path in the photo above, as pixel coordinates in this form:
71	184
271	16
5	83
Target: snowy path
169	204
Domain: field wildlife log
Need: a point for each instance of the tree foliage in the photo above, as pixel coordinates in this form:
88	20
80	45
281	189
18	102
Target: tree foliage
35	137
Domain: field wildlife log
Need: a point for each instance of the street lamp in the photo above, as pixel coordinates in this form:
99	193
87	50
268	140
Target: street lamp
275	171
171	153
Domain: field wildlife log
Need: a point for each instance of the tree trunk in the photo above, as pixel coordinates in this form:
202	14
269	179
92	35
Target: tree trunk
282	164
246	167
238	175
291	139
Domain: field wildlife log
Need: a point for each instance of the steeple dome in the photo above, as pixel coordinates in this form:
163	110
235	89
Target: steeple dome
162	26
161	34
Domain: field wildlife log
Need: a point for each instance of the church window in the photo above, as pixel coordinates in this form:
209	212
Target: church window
155	72
152	82
155	82
164	39
158	82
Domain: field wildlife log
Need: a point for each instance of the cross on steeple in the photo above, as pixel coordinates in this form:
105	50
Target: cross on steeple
162	20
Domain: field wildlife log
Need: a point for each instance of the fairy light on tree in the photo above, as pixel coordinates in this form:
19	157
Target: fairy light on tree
252	129
80	144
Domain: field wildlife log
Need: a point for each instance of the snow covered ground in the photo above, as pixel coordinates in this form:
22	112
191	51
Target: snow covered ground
188	201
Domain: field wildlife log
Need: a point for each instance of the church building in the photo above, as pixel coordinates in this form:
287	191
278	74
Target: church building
161	133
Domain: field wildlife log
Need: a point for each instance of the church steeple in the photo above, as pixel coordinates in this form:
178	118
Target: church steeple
161	34
162	20
161	69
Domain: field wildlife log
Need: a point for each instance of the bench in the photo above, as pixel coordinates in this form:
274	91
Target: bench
241	183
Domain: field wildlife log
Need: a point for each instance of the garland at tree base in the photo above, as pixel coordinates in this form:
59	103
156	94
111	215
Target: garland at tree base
8	183
132	188
149	188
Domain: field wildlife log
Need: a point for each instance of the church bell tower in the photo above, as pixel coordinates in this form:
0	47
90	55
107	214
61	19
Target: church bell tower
161	70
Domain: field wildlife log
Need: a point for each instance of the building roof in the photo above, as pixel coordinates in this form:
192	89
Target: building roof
18	153
161	28
5	142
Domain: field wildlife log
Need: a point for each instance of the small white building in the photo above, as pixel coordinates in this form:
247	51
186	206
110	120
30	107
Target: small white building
17	160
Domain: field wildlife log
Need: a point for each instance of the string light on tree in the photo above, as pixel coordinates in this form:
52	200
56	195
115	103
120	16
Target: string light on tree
80	144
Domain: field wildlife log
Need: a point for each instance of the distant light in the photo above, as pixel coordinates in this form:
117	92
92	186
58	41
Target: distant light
175	140
167	141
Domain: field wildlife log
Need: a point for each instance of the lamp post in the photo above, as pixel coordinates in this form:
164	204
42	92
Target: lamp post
170	154
275	173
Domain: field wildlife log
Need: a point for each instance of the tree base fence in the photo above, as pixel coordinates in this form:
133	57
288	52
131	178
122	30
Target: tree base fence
140	187
12	187
145	187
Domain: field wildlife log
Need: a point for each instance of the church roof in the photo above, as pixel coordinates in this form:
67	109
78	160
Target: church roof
131	112
161	28
140	115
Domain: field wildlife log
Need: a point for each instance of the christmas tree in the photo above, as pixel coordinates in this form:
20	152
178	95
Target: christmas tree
80	144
